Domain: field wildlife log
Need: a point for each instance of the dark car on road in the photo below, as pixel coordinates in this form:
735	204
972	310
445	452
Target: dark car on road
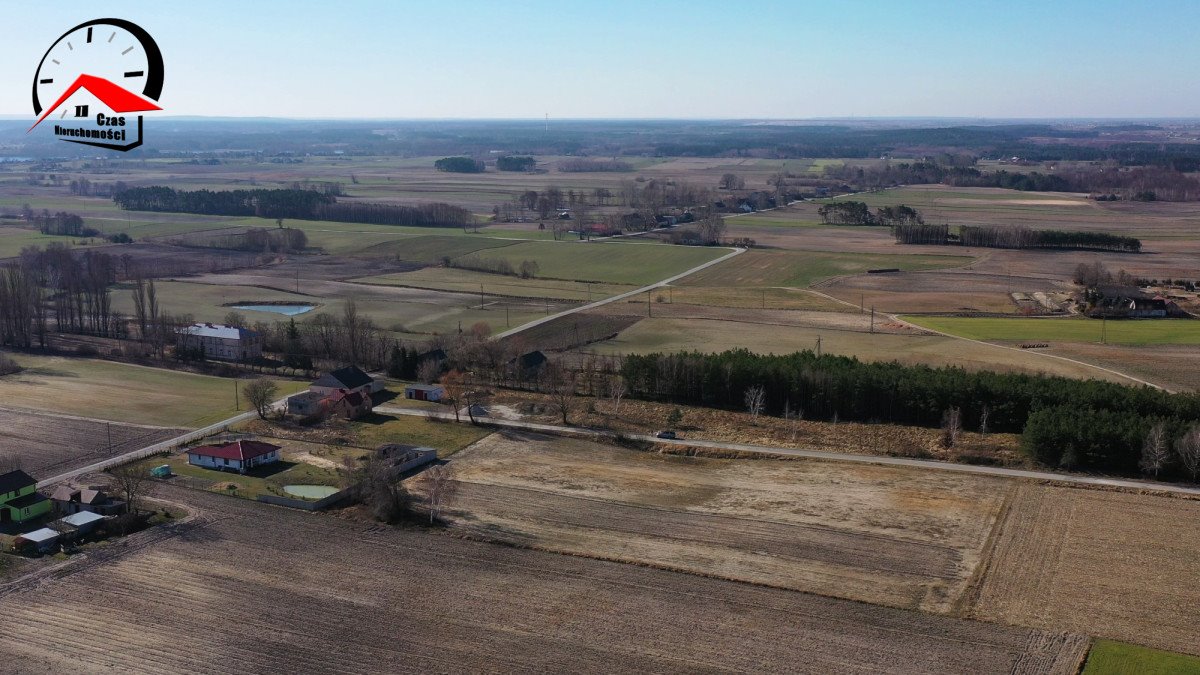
670	435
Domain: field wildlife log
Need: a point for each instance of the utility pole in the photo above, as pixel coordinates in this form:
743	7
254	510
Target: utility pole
506	322
872	318
818	346
236	405
1103	329
649	312
480	296
108	428
764	298
861	300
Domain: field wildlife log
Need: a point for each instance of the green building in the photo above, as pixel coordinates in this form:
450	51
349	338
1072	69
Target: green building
19	498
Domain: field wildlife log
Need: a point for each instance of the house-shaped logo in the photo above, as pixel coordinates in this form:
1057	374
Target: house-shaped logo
101	76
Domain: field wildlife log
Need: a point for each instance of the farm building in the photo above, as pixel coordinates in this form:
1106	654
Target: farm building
226	343
237	456
527	366
69	500
19	499
350	378
77	524
306	404
424	392
44	539
349	405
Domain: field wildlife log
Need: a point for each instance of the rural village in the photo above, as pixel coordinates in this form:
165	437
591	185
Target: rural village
368	395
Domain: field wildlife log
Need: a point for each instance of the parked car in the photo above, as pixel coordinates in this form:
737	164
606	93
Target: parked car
670	435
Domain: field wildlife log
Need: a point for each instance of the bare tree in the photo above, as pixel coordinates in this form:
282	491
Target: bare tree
731	181
1156	450
983	420
440	488
951	427
756	399
454	384
374	484
235	319
1187	448
427	370
561	385
260	392
616	391
130	480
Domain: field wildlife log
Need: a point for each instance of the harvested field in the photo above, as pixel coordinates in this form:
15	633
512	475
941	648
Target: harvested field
895	537
1111	564
940	291
1175	367
44	445
890	343
414	602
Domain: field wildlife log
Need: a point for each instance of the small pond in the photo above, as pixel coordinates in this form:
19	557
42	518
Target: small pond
287	310
310	491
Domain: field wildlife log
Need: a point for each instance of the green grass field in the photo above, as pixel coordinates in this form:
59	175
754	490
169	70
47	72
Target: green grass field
469	281
125	393
625	263
447	437
1118	658
1127	332
430	249
797	269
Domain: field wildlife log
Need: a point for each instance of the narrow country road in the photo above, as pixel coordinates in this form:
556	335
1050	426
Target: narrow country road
622	296
1089	481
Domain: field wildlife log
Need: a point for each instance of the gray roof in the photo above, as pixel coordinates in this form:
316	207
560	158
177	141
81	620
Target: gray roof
82	518
44	534
425	387
218	331
350	377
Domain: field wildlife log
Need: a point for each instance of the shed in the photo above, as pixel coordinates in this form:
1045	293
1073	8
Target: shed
44	539
84	521
424	392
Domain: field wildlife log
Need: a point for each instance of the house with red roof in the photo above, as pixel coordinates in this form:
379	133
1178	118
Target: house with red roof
349	405
239	456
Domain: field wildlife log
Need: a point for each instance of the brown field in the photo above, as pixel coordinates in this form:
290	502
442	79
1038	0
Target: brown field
1175	367
887	536
966	290
44	445
1109	564
699	330
247	588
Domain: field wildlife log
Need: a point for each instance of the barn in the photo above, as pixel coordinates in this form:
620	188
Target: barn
424	392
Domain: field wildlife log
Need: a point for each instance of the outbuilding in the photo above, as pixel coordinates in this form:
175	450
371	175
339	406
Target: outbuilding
84	521
239	456
44	539
424	392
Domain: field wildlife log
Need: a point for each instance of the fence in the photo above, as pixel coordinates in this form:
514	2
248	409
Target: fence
323	503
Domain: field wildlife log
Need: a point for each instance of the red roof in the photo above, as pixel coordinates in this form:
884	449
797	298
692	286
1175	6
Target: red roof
118	100
242	450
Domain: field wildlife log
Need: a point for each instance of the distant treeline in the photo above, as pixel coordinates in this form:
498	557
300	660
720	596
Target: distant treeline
1097	425
1148	183
989	236
510	163
459	165
61	223
289	203
254	240
585	165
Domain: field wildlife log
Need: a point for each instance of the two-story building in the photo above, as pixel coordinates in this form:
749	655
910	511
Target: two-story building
19	498
225	343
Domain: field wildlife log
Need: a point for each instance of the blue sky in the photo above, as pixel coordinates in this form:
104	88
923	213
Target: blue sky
666	59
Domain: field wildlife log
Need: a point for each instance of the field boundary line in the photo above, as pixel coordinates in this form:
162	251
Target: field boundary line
620	296
964	604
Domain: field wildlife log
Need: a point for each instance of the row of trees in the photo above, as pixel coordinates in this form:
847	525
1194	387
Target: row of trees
296	203
594	165
511	163
990	236
459	165
858	213
1116	441
836	387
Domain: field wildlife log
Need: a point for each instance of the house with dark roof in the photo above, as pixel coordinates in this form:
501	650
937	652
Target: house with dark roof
349	405
528	365
350	378
239	456
68	500
19	498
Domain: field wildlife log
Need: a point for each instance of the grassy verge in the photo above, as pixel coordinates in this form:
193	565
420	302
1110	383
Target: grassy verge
1118	658
1126	332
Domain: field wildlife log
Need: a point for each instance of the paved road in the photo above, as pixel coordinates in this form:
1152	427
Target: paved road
824	455
154	448
622	296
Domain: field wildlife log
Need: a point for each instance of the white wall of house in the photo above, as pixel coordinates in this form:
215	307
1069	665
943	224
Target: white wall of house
214	462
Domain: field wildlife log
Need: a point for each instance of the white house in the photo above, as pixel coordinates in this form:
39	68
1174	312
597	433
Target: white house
239	456
226	343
